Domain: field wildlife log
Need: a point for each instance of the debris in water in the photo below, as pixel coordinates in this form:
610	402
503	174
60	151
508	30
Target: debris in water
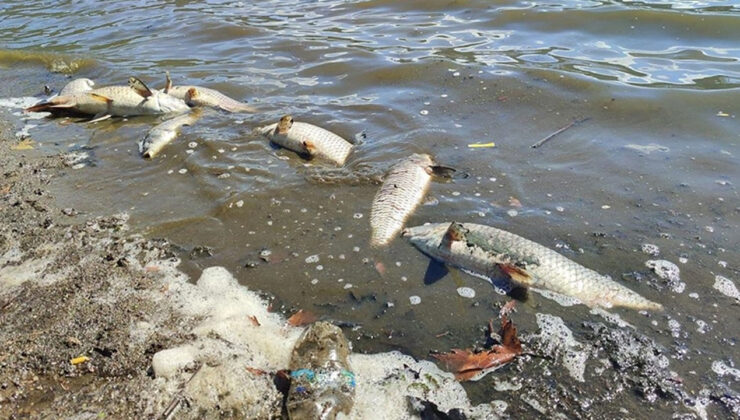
469	365
669	271
481	145
302	318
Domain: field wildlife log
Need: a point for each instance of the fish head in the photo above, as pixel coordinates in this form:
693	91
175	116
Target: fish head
421	159
168	103
284	124
426	237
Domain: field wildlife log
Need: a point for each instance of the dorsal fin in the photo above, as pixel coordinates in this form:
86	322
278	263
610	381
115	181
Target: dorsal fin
139	86
168	82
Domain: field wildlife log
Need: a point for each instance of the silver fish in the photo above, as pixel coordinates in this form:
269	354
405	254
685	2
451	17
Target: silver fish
487	251
322	383
102	103
77	86
402	191
163	133
201	96
308	140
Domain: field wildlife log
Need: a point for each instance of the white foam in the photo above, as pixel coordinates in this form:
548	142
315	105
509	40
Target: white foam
726	287
226	342
558	340
720	368
669	271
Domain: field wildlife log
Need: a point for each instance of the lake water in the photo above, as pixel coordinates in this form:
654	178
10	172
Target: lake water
656	161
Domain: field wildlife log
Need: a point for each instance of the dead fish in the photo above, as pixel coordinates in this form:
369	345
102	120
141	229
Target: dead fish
105	102
402	191
486	251
77	86
308	140
163	133
202	96
322	382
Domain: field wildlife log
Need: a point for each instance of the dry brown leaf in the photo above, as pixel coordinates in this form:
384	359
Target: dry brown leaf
514	202
466	364
253	319
302	318
255	371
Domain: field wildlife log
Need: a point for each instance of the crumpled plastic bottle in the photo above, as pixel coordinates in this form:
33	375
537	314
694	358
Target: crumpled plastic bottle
322	382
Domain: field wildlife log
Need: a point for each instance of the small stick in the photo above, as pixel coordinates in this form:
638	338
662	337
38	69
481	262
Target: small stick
177	399
442	334
560	130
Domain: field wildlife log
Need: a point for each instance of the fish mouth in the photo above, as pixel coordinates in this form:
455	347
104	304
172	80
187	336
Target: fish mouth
405	232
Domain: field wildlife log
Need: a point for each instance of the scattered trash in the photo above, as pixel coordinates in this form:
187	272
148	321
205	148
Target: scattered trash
481	145
722	114
78	360
26	144
322	382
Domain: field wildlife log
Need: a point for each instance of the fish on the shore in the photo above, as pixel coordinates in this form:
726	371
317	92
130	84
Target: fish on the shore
307	140
164	133
202	96
322	382
486	251
114	101
402	191
77	86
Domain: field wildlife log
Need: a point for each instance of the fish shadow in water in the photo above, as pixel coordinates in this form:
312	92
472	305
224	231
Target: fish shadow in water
437	271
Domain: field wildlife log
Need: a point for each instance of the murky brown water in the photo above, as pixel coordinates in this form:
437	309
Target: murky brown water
657	161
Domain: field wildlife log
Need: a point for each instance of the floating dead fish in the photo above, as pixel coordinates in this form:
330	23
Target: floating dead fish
105	102
308	140
202	96
486	251
322	383
162	134
402	191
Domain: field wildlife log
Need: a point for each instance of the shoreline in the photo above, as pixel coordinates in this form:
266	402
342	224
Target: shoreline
100	323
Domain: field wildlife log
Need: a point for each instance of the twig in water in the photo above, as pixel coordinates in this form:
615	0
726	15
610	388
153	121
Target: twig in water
560	130
177	399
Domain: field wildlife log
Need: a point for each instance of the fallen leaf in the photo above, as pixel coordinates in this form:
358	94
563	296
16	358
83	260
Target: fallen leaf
26	144
466	364
301	318
255	371
481	145
78	360
254	320
514	202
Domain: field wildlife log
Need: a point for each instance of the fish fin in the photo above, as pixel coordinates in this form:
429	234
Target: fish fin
100	117
441	171
101	98
168	82
139	86
518	274
435	271
455	233
40	107
310	147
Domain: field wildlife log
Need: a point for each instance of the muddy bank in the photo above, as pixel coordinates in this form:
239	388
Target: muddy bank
97	322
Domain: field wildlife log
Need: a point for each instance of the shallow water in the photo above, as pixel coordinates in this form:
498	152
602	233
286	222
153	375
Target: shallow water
656	162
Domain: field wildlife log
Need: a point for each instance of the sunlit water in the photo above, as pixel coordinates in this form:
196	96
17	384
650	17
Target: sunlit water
656	162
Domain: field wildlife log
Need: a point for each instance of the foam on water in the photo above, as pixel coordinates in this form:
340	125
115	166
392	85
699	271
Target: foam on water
726	287
559	341
225	343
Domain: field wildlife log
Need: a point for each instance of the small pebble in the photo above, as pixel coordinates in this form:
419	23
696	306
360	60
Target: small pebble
183	171
414	300
240	203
